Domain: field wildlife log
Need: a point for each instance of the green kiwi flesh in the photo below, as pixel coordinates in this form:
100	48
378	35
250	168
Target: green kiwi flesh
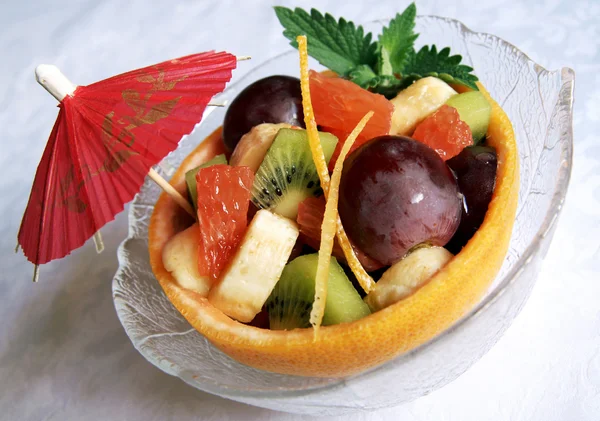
288	174
474	110
290	303
190	178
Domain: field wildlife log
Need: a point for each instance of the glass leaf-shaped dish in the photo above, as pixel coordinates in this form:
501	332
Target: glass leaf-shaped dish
539	104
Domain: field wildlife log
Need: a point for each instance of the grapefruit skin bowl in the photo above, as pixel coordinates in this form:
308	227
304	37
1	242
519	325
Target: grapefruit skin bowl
350	348
538	103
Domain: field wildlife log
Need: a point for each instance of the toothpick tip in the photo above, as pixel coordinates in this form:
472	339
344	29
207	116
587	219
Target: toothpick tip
242	58
36	273
98	242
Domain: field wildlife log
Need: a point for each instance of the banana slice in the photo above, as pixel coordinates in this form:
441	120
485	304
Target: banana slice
415	103
406	276
253	146
180	257
256	267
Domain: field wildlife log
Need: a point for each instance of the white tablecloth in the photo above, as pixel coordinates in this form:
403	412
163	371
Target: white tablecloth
63	353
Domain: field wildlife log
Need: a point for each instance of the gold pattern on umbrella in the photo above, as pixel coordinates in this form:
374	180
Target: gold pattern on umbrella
144	115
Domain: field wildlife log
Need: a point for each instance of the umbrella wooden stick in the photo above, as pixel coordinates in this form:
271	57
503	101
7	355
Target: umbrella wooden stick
170	190
98	242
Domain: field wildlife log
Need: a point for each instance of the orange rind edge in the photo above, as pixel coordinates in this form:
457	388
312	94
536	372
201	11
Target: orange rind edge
350	348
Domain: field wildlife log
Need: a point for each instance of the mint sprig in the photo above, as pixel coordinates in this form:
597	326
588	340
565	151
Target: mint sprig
396	42
385	66
338	45
429	62
363	76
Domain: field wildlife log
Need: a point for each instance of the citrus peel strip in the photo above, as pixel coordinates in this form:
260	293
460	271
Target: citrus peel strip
329	228
365	281
309	117
326	246
330	219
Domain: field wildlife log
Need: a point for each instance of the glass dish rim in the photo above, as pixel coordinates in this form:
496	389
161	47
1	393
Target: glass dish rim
550	218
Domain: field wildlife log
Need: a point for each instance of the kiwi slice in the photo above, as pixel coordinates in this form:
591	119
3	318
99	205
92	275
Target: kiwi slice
474	110
190	178
288	174
290	303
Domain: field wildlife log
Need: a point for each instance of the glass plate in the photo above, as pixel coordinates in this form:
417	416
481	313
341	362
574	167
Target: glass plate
539	104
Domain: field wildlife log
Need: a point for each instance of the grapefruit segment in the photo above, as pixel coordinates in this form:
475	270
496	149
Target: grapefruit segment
223	200
444	132
339	105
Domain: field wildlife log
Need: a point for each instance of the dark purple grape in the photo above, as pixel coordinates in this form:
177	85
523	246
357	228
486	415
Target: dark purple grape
475	170
274	99
396	193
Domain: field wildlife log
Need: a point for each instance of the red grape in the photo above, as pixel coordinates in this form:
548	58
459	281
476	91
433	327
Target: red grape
396	193
274	99
475	170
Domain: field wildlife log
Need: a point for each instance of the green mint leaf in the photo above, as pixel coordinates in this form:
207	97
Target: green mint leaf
384	63
337	45
396	42
389	86
386	85
429	62
363	76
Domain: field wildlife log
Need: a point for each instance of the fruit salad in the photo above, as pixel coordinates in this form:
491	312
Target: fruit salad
340	193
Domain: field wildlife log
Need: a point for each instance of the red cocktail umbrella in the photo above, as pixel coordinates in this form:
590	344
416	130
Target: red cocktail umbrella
106	139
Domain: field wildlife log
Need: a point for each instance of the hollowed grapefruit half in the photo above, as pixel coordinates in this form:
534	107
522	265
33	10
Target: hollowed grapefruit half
350	348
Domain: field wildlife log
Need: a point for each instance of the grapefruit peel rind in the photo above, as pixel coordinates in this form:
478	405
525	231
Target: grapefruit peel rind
379	337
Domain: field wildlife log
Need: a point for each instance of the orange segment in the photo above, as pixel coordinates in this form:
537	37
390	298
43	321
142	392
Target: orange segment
382	335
